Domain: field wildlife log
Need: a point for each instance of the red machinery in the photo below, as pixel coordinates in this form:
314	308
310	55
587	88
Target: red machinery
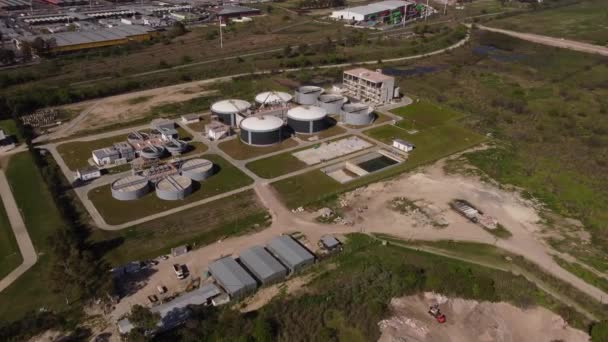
435	312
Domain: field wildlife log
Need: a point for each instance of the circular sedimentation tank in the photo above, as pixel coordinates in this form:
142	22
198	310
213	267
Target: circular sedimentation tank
272	98
152	152
357	114
197	169
332	103
308	95
307	119
261	131
130	188
227	110
173	188
176	146
137	137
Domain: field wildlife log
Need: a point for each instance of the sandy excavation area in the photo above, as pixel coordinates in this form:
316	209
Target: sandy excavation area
131	106
469	320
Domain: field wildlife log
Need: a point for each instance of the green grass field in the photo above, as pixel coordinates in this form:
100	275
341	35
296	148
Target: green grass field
438	141
77	153
227	178
585	21
10	257
423	114
241	151
279	164
198	226
10	128
30	291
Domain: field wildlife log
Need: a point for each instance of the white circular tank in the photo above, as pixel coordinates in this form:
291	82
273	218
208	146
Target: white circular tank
357	114
130	188
272	98
226	110
261	131
197	169
307	119
308	95
332	103
172	188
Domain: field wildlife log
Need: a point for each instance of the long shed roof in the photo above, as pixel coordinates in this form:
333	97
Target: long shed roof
231	275
261	263
289	250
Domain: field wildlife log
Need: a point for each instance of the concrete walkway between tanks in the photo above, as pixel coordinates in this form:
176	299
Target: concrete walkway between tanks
551	41
21	234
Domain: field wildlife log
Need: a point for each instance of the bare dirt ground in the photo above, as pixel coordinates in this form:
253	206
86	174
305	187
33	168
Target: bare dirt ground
265	295
127	107
469	320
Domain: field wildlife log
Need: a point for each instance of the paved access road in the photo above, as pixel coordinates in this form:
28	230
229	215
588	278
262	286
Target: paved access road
21	234
551	41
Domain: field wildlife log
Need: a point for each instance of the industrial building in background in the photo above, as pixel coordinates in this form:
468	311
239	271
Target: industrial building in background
387	12
369	86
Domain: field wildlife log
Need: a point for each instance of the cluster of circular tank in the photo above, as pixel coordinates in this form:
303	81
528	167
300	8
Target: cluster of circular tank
176	146
170	188
308	118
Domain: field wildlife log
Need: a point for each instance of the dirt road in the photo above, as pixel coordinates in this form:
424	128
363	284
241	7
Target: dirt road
21	234
551	41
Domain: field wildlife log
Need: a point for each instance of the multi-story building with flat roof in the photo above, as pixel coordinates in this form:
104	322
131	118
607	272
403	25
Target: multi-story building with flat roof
368	86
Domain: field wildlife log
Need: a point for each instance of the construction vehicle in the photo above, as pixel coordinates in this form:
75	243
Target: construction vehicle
435	312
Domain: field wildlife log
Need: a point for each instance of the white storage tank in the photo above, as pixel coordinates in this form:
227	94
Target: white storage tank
307	119
357	114
227	111
308	95
332	103
130	188
172	188
272	98
197	169
261	131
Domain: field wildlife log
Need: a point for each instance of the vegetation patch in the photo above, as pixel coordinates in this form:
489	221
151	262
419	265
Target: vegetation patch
241	151
10	257
198	226
583	273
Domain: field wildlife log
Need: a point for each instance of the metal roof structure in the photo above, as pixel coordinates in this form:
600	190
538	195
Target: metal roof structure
264	123
273	97
307	113
232	277
175	312
329	242
230	106
403	142
99	35
230	9
262	264
291	253
377	7
368	75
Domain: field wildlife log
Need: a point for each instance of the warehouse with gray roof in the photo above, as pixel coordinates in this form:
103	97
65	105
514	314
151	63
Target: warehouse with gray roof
232	277
176	312
290	253
263	265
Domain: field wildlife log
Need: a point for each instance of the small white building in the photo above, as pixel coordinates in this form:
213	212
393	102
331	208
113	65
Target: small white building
403	145
217	130
88	173
105	156
190	118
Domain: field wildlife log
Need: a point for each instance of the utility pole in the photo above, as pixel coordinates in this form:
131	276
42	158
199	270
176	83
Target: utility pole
426	10
445	7
221	38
